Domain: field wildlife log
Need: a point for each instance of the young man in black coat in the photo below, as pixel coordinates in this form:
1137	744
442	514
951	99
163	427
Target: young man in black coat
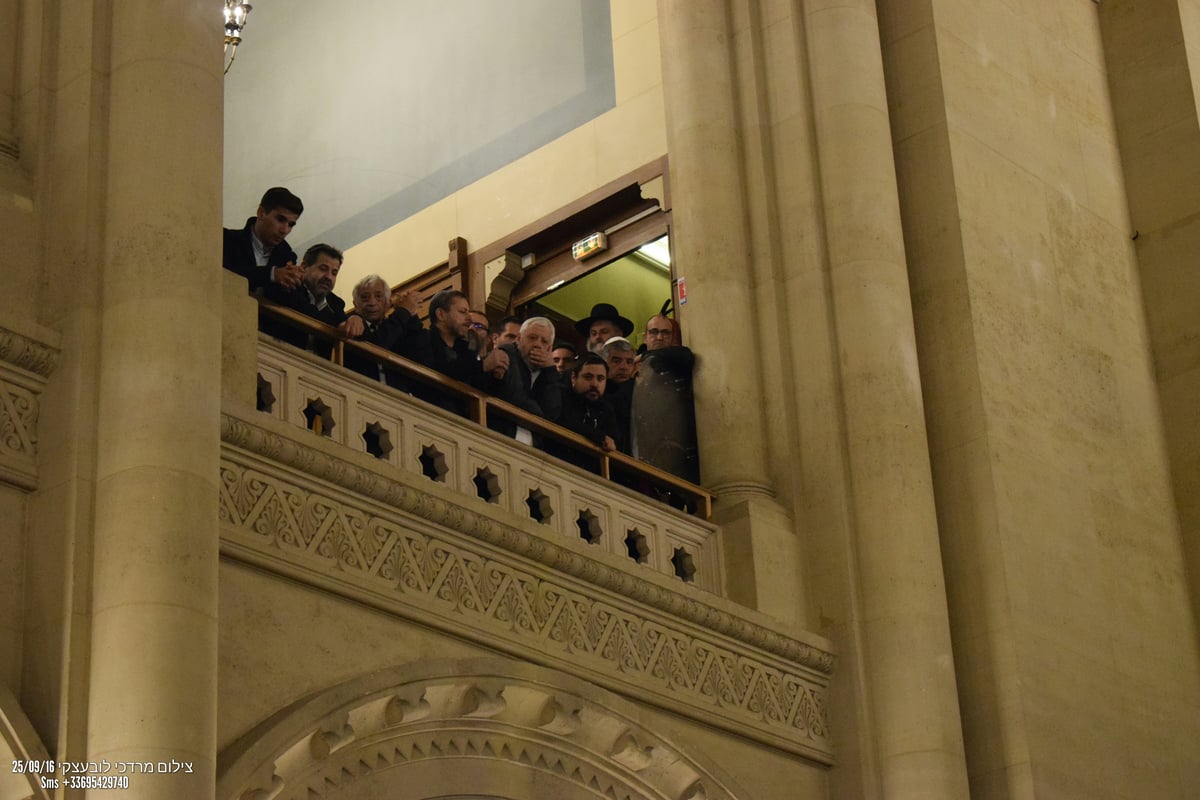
259	252
586	410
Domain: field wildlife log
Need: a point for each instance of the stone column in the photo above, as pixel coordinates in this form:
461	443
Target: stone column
710	240
909	668
9	44
154	641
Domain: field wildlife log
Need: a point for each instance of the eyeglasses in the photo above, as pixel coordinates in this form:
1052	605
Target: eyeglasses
654	333
479	326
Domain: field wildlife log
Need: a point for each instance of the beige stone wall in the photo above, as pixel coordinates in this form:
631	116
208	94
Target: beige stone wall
284	643
12	584
1154	64
615	143
1075	650
281	641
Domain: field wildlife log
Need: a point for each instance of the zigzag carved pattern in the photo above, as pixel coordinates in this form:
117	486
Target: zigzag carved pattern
434	571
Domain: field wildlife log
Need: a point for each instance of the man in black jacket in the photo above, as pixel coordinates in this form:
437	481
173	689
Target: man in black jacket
259	251
531	381
586	410
314	297
450	353
401	332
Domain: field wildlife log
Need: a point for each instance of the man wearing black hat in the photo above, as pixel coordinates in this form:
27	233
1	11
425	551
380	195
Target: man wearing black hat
604	323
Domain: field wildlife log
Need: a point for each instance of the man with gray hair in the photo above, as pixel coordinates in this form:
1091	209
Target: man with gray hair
401	332
531	382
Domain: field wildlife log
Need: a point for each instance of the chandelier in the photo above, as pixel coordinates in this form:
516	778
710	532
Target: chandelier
235	20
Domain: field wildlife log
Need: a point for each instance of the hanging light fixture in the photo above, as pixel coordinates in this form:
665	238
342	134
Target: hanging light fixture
235	20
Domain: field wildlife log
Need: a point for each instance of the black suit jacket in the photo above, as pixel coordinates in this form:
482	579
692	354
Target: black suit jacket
543	397
239	256
298	299
401	333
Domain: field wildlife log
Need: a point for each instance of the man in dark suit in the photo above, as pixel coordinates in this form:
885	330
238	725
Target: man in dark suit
314	297
451	354
259	252
531	381
402	332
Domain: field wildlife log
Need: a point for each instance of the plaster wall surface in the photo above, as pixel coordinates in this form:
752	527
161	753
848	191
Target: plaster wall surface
630	134
1055	508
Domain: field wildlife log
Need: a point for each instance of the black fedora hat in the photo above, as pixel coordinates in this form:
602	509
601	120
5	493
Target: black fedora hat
608	312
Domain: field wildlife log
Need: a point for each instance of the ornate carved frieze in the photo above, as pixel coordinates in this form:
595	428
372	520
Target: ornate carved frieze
422	738
24	365
479	572
26	353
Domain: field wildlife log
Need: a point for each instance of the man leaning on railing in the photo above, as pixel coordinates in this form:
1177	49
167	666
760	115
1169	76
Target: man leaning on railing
313	297
451	353
259	251
401	332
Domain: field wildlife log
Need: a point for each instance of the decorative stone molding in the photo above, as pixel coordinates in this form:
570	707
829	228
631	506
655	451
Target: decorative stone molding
18	420
26	353
476	572
24	365
467	728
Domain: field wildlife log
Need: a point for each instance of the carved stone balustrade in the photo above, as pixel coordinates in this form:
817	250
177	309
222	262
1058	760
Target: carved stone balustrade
468	533
484	466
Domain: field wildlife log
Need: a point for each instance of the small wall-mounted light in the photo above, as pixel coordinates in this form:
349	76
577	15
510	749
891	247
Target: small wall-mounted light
235	20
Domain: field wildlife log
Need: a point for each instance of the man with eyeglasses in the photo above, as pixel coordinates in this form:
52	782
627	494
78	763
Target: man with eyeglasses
664	419
660	332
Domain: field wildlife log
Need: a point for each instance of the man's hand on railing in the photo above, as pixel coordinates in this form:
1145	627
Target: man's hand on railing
288	276
496	363
352	328
409	300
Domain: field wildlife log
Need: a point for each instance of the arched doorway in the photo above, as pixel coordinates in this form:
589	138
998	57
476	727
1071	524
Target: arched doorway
489	729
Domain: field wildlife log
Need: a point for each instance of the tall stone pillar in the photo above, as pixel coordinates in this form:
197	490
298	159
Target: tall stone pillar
153	671
711	245
711	242
908	663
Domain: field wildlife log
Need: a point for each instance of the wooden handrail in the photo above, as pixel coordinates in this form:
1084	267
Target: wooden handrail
480	404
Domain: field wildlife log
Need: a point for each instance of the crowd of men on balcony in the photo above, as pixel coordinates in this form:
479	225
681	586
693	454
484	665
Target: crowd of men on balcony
592	394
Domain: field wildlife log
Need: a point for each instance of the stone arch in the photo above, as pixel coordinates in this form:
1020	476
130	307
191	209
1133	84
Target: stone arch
19	742
493	729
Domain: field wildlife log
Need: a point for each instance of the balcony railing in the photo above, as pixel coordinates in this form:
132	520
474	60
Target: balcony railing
601	508
399	505
480	406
